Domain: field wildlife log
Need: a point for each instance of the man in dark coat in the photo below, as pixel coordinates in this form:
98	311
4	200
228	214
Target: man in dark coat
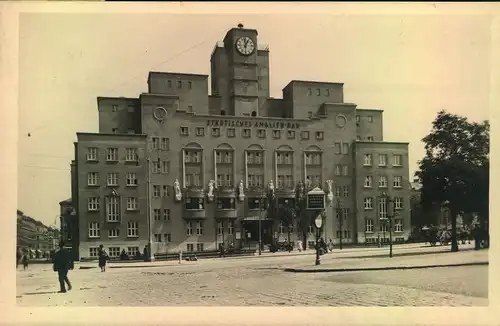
62	264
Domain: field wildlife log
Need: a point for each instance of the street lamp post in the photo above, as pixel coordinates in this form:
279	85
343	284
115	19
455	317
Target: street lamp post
316	202
262	206
340	220
150	228
389	211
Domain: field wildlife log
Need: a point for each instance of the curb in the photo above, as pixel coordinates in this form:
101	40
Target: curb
361	269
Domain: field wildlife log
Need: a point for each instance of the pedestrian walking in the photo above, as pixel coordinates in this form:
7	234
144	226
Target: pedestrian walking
62	264
330	245
103	257
25	261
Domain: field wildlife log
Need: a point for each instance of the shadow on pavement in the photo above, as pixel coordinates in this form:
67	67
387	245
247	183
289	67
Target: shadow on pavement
395	254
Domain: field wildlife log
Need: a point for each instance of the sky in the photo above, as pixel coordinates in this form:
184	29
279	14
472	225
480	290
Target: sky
411	66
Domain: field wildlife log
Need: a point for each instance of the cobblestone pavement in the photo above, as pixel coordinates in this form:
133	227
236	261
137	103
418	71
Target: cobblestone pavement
256	284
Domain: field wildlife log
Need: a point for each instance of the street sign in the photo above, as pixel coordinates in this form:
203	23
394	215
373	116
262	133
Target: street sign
318	221
316	199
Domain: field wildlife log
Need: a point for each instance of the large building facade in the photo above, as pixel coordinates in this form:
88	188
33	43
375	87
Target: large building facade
186	169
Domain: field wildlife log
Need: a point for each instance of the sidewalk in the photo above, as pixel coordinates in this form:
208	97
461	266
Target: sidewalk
428	260
349	253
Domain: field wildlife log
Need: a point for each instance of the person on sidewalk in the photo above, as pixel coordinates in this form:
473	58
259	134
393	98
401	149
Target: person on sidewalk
103	257
330	245
62	264
25	261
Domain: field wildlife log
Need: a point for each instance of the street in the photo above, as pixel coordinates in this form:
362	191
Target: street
262	282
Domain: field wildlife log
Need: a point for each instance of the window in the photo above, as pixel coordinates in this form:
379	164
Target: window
358	138
220	227
168	237
184	131
112	155
345	148
345	170
131	203
314	180
113	233
190	85
369	138
327	92
92	154
276	134
310	229
190	108
309	92
285	181
194	203
93	204
199	247
165	144
368	203
261	133
397	160
397	182
93	178
226	203
382	208
345	213
115	108
284	158
313	158
230	227
310	114
337	191
190	247
179	84
131	155
193	179
130	131
156	143
281	228
156	191
338	148
132	251
165	167
358	118
231	132
384	228
398	225
93	252
215	132
224	180
346	234
157	237
112	208
132	229
200	131
94	230
368	181
169	83
254	158
189	228
157	214
199	228
192	156
246	133
318	91
369	226
304	135
166	214
346	191
398	202
255	180
368	160
370	118
114	251
290	134
113	179
338	169
114	130
165	191
225	157
382	160
382	181
319	135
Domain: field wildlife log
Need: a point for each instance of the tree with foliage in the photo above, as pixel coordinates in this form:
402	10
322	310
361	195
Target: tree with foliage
303	217
455	169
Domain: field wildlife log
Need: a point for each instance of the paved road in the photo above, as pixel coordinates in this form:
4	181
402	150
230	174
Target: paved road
256	282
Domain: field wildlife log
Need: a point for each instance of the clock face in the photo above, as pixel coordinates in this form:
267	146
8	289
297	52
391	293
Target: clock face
245	45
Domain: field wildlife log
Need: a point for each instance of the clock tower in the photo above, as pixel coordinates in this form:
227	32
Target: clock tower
236	79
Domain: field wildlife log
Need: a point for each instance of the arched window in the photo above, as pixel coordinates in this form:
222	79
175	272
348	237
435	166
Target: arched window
254	114
222	112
